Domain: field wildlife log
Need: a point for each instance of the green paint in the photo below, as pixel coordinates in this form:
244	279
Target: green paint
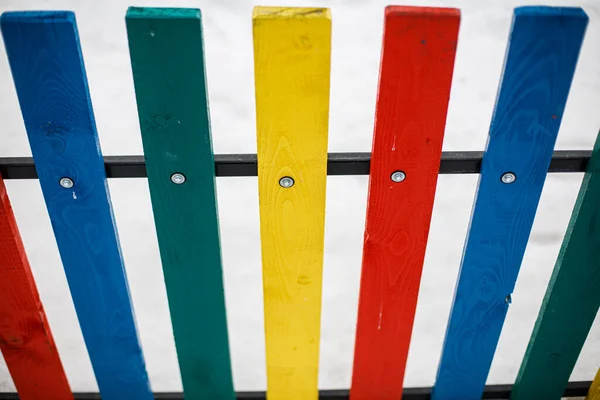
167	58
571	301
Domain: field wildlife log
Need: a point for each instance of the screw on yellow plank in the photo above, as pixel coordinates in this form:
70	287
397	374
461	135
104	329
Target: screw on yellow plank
292	58
594	392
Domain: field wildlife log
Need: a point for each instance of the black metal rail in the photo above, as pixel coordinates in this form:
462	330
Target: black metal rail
574	389
453	162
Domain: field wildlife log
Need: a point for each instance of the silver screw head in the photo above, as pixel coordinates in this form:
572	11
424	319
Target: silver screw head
178	178
67	183
398	176
286	182
508	178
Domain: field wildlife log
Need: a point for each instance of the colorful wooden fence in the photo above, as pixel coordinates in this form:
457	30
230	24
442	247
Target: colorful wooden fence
292	51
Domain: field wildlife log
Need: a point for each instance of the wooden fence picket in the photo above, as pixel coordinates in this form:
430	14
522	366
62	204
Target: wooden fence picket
25	337
542	54
418	51
167	57
292	52
571	301
47	66
594	392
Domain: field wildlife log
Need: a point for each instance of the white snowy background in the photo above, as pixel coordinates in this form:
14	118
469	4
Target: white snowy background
357	31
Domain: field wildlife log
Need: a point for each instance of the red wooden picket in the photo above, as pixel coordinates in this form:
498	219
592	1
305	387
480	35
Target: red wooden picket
419	46
25	338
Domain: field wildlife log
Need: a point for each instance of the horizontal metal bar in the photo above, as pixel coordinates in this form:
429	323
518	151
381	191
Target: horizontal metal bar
574	389
453	162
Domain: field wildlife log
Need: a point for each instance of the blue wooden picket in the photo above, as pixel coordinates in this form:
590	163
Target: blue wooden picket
47	66
542	54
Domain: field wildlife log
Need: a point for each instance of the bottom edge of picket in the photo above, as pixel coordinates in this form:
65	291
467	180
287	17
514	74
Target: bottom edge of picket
574	389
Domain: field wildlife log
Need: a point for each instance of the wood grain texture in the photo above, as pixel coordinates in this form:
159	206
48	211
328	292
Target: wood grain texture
25	337
542	54
571	301
292	52
47	67
167	56
419	45
594	392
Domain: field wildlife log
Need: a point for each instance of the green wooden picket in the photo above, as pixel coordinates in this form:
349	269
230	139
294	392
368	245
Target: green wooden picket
571	301
167	57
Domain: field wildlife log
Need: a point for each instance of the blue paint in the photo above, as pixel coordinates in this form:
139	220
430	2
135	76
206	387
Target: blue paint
543	48
47	66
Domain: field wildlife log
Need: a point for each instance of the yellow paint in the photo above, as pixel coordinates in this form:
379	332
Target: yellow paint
292	52
594	393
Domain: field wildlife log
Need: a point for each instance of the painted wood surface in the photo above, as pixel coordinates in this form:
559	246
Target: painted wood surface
47	66
542	54
419	45
292	52
594	392
25	337
167	57
571	301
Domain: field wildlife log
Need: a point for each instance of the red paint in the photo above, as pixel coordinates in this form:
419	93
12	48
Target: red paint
25	338
419	45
